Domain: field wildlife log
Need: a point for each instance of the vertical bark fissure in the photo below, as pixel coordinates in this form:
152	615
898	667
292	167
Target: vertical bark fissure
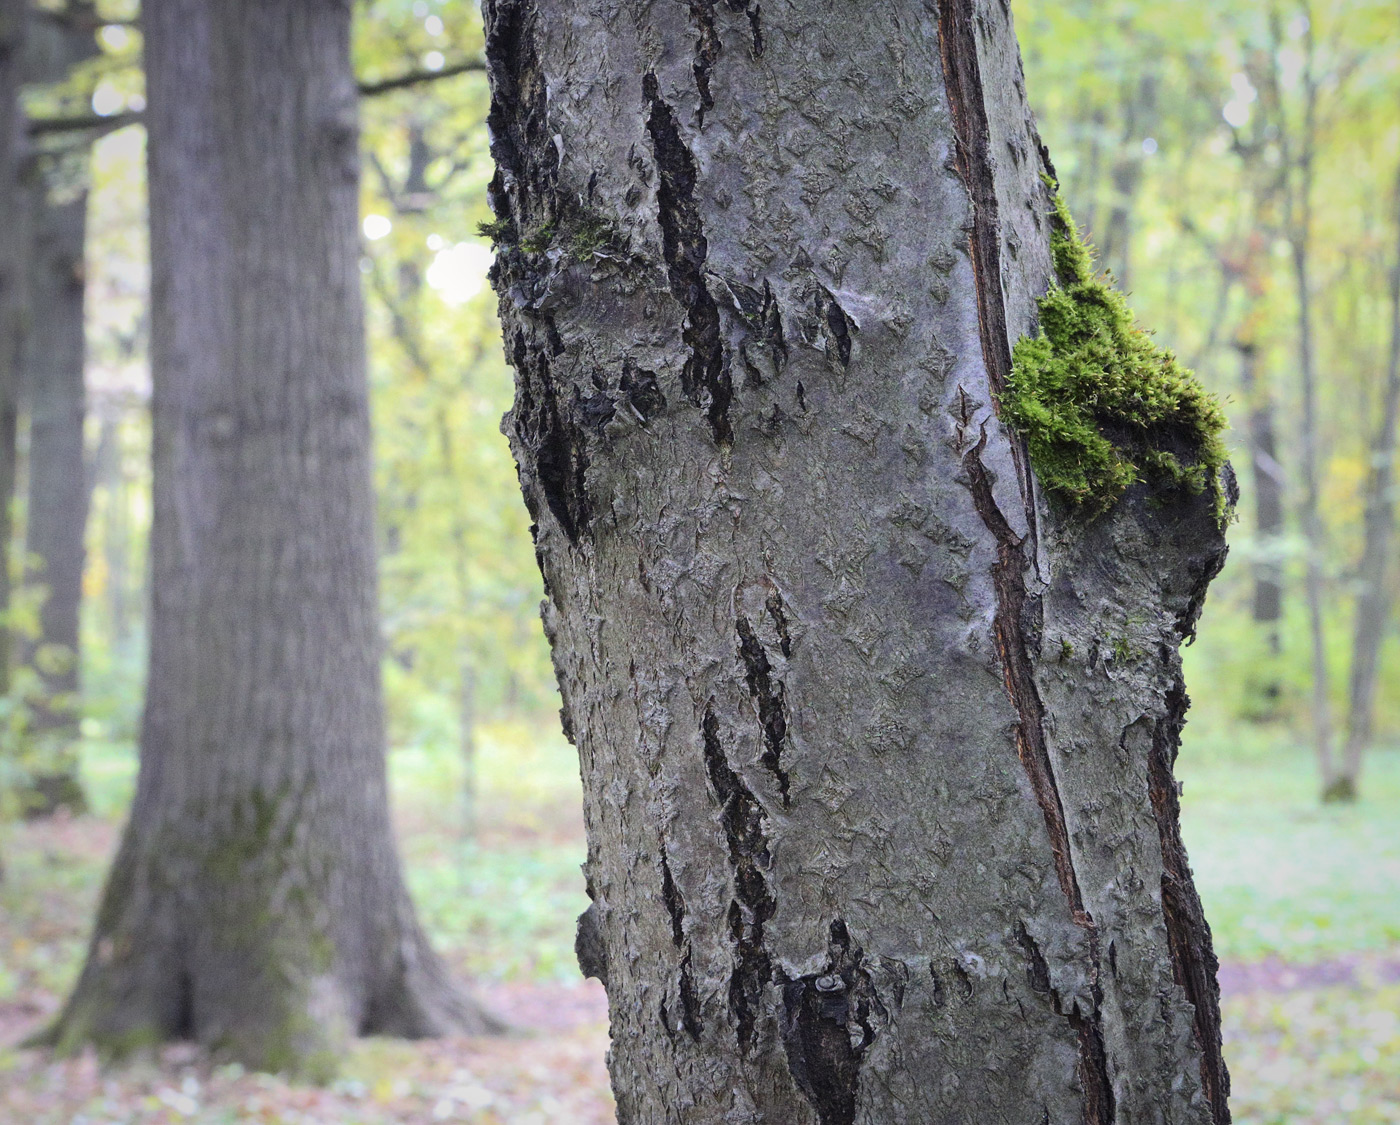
823	1054
1193	958
675	908
957	40
971	136
1008	576
705	378
767	692
707	52
743	819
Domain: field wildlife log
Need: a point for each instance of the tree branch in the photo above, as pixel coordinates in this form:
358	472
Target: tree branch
418	77
47	126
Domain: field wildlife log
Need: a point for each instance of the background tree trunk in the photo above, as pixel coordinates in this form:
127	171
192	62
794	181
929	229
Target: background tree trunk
1266	473
58	493
13	239
1298	173
1373	604
256	903
877	751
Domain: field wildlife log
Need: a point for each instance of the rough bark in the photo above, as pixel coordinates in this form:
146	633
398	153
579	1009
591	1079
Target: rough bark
58	492
877	748
256	903
1373	602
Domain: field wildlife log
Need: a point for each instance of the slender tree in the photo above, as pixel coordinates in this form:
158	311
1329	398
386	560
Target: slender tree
1373	605
53	408
1299	155
256	903
57	485
876	702
13	156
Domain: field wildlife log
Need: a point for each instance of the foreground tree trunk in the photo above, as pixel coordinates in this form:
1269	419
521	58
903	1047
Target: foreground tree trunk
1373	603
256	903
877	746
58	492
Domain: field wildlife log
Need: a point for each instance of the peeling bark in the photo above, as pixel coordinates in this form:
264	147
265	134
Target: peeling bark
867	730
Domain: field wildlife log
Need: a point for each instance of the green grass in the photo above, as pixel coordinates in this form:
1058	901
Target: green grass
1279	873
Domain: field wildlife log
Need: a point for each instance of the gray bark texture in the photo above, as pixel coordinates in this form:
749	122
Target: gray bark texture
877	750
56	516
256	903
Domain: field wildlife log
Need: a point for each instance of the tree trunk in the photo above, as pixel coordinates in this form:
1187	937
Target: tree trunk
110	474
1299	176
876	746
58	494
13	237
1373	604
256	903
1267	474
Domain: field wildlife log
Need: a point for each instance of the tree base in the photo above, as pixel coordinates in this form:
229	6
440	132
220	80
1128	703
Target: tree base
1339	791
47	794
304	1035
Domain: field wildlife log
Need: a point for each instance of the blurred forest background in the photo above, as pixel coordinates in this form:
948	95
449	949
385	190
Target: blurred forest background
1238	167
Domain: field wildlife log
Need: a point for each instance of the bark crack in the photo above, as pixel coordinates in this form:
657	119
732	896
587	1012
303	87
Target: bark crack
547	428
707	52
827	1028
963	82
1008	577
767	692
1194	964
675	907
705	379
742	817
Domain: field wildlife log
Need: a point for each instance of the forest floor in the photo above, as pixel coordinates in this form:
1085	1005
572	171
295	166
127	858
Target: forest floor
1305	902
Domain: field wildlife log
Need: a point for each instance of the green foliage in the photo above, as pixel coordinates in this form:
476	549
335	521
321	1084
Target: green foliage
1100	405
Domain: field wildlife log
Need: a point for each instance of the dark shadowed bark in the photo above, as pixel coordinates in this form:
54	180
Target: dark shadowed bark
256	903
1373	602
877	747
58	493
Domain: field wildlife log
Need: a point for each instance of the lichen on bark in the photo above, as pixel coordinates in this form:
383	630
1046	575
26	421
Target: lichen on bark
1100	406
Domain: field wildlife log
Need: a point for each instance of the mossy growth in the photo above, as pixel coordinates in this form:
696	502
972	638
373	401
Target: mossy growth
578	234
1099	404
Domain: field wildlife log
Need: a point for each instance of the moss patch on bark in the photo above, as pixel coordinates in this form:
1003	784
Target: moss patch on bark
1099	404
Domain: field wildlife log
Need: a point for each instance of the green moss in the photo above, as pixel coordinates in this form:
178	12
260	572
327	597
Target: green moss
498	230
537	241
1099	404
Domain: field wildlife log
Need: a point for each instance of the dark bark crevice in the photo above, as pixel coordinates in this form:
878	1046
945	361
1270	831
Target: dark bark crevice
743	819
548	427
705	378
707	52
1194	963
1008	576
527	163
823	1013
963	80
767	692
